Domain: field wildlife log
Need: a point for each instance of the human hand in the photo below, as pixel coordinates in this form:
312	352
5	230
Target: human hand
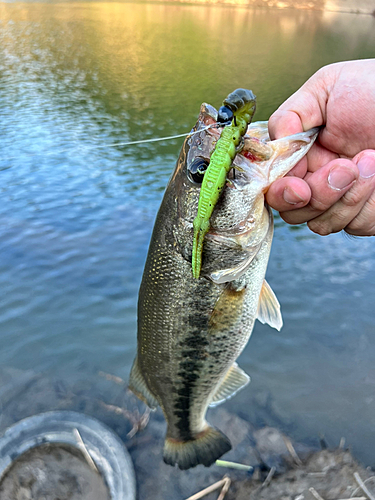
333	187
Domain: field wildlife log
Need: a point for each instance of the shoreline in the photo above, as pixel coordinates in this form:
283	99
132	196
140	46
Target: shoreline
282	468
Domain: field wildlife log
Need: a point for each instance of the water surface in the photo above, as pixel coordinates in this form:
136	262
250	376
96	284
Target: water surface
76	215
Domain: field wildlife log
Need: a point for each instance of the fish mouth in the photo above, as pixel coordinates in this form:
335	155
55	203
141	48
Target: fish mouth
254	147
232	218
259	161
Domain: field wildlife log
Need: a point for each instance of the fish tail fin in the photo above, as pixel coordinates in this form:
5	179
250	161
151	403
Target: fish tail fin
205	449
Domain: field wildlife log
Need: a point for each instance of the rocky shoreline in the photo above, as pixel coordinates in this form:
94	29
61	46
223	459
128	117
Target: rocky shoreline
281	469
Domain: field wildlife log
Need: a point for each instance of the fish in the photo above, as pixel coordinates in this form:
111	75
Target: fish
192	330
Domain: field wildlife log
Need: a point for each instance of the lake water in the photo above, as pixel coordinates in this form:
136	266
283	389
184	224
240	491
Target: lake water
76	214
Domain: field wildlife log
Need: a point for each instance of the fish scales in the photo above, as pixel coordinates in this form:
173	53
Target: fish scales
191	331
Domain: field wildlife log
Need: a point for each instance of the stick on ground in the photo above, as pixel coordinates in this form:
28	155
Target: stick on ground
139	422
269	477
362	485
210	489
315	493
112	378
292	451
84	451
224	489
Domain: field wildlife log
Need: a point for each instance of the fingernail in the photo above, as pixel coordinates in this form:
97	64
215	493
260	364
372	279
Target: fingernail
366	166
290	196
340	177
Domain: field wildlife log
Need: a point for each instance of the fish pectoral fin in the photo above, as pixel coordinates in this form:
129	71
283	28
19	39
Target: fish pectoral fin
234	380
269	308
233	273
138	386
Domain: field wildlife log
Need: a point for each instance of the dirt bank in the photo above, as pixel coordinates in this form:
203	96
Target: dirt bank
256	438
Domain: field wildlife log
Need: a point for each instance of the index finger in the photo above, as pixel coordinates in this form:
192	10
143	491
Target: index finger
305	109
284	122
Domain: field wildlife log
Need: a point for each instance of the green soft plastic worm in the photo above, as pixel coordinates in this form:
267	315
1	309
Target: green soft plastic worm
239	105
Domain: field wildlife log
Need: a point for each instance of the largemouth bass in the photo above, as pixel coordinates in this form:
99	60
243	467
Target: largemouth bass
191	331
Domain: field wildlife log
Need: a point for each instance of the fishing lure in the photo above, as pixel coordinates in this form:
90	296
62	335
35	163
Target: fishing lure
237	110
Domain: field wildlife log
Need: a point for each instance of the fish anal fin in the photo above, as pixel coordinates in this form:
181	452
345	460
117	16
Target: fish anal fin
205	448
269	308
138	386
234	380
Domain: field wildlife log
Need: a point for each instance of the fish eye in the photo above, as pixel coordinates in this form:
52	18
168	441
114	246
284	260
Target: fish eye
224	115
197	169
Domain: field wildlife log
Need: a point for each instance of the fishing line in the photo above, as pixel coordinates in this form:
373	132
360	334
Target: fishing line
118	144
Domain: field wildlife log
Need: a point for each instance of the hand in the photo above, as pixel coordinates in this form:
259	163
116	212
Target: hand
333	187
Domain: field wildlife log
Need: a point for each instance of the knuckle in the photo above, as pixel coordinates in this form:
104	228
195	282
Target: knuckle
355	226
359	228
364	222
360	231
352	197
320	227
318	205
340	217
289	217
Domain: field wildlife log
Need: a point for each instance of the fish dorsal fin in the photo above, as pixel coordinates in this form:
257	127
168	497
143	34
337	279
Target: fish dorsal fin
269	308
137	385
234	380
